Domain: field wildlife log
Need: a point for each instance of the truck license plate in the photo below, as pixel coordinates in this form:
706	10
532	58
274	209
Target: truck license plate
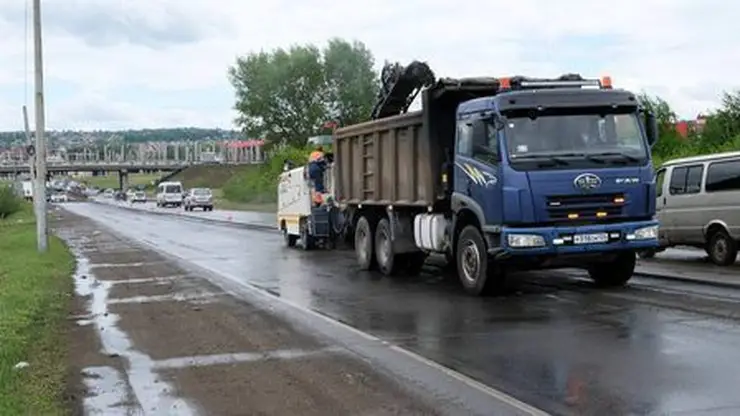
590	238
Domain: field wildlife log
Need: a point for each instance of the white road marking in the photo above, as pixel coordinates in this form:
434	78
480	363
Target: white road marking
240	357
165	298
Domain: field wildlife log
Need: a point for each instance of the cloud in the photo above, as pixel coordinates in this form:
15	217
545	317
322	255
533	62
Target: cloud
117	63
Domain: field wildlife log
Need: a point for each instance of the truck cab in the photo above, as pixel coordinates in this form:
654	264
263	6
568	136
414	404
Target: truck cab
555	174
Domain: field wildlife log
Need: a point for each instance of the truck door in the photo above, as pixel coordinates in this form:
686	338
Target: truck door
478	168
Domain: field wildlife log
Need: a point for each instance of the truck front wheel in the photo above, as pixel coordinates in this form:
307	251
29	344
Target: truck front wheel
614	273
364	244
472	262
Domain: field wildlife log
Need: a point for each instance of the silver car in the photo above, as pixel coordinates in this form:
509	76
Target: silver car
198	198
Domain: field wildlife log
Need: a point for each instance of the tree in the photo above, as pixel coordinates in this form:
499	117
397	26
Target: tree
289	95
722	126
669	141
352	83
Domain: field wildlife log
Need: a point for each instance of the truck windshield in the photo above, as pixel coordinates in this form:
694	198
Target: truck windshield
571	141
173	189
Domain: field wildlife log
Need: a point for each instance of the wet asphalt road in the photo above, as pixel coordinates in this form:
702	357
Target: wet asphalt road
554	342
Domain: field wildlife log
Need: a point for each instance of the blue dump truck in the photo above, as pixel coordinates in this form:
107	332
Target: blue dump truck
497	174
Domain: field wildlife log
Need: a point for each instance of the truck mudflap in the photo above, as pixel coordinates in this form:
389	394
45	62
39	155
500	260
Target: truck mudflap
575	240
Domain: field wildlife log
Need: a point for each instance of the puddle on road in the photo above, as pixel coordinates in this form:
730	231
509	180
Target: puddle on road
106	392
153	394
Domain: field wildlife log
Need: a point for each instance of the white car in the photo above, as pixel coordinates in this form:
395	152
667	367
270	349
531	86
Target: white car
136	196
169	194
58	197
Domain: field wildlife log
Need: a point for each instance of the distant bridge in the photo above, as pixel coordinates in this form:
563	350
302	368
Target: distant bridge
140	157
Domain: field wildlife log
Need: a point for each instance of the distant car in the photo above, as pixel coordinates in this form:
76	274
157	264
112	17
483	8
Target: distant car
169	193
199	198
137	196
119	195
108	193
58	197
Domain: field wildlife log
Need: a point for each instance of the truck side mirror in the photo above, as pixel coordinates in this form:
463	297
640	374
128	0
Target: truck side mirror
651	128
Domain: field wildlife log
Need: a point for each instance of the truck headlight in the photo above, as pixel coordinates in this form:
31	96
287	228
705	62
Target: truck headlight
525	240
644	233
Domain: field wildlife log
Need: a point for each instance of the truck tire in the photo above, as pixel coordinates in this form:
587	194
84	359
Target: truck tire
722	249
472	262
307	241
365	244
389	263
614	273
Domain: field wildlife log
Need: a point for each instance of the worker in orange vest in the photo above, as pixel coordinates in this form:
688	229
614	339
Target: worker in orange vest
316	167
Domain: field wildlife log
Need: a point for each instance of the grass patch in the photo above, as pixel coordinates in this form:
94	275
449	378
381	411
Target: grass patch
35	291
220	202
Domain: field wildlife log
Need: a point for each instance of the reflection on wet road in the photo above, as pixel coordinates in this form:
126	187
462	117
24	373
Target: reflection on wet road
553	342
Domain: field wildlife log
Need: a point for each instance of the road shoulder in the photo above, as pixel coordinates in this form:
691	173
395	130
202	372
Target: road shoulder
153	337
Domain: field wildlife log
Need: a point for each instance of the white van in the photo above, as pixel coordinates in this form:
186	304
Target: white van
698	204
169	194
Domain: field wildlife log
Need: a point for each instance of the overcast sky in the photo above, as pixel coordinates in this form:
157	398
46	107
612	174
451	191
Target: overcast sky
113	64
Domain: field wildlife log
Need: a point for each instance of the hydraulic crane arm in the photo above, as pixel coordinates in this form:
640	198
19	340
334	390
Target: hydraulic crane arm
399	87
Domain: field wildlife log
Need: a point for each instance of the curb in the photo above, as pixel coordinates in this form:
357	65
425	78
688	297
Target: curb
692	280
249	226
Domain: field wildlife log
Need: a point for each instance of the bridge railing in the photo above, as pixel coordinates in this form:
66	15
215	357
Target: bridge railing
122	164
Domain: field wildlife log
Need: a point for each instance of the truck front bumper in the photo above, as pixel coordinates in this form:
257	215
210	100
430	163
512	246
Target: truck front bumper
575	240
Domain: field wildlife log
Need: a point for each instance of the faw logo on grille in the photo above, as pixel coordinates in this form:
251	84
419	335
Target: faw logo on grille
587	182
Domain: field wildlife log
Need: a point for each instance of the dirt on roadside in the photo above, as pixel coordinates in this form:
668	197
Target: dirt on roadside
147	337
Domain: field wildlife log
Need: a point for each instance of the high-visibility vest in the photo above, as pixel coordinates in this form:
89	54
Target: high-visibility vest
315	156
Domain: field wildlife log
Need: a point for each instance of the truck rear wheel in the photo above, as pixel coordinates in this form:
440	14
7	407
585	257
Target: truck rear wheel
389	263
364	244
472	262
614	273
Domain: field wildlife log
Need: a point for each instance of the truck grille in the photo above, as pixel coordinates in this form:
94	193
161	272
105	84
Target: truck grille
585	208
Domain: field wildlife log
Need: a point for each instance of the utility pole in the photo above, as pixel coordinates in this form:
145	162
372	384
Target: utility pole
30	148
39	189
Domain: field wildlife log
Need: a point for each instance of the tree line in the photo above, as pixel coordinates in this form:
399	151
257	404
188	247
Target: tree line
288	95
720	133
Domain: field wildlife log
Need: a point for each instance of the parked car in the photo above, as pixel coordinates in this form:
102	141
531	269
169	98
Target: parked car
698	204
199	198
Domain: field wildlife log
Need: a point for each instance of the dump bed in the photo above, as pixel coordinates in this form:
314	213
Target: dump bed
400	160
385	161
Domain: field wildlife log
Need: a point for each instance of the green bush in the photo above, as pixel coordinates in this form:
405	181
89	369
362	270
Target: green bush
10	203
695	147
260	185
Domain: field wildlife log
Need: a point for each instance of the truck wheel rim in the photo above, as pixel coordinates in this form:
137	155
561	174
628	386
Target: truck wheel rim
384	248
363	252
470	262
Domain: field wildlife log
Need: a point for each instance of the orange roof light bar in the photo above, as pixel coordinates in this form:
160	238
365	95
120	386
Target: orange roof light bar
504	83
606	82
